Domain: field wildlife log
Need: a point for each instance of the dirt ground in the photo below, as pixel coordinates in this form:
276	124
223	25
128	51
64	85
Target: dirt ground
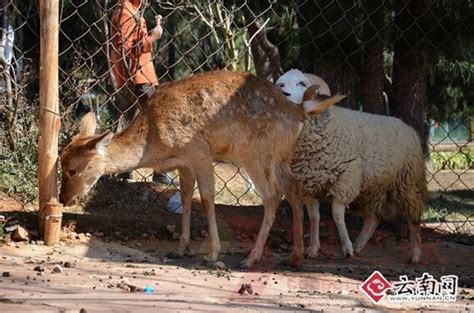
119	242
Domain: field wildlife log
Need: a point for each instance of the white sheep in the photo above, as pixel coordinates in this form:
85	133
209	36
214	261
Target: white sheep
294	83
373	162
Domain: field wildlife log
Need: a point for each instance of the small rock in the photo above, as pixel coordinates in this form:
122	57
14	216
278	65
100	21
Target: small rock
40	242
38	269
175	236
57	269
219	265
67	264
6	274
11	228
204	233
171	228
2	218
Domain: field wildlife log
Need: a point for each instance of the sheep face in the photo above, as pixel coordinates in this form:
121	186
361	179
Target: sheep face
293	84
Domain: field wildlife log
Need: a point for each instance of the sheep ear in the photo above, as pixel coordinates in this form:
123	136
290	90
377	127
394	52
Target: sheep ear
311	93
87	126
316	107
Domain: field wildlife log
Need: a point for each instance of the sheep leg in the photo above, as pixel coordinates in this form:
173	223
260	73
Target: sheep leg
370	225
338	210
205	180
312	205
186	180
415	242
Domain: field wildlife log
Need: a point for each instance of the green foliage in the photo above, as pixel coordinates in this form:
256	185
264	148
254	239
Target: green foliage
18	167
450	92
454	160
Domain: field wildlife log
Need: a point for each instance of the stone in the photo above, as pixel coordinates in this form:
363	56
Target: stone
175	236
57	269
219	265
171	228
20	234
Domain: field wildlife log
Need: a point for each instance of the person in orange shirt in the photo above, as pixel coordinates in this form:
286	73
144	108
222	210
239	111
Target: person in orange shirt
131	53
132	60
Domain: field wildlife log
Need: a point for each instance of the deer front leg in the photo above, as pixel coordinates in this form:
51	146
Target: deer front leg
186	180
205	180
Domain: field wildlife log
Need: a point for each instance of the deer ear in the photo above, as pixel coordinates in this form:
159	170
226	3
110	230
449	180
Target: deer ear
88	125
101	142
316	107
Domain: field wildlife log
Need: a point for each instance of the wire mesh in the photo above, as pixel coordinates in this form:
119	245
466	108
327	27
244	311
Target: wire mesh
411	59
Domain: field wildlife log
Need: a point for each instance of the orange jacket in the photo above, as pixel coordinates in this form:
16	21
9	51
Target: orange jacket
131	53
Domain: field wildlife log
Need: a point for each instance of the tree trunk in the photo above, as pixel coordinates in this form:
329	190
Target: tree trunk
341	79
266	55
373	37
328	45
373	81
408	77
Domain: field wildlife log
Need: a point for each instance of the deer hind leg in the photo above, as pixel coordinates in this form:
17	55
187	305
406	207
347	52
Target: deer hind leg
292	190
205	178
312	205
186	179
271	199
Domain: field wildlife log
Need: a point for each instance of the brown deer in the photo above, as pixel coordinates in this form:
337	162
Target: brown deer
186	125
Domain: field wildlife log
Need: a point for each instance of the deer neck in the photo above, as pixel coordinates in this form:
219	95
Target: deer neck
126	149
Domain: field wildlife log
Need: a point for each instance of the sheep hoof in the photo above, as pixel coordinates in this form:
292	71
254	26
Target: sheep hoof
357	250
415	257
347	251
312	253
245	264
212	256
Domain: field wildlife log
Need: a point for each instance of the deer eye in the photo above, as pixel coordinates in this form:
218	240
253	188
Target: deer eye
72	172
281	85
301	83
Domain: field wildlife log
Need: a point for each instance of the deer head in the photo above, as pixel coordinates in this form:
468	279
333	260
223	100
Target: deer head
83	160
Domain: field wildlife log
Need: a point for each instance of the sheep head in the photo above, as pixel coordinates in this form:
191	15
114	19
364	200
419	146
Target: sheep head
294	83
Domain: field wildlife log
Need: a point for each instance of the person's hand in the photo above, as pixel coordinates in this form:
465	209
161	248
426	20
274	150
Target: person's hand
157	31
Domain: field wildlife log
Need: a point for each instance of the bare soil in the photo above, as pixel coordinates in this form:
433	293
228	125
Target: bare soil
118	242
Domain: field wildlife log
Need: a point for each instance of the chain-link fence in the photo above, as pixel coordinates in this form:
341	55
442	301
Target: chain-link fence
412	59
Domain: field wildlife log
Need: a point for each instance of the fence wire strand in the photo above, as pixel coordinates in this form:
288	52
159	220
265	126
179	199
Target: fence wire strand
410	58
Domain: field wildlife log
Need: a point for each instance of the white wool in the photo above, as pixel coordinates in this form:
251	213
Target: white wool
294	83
365	160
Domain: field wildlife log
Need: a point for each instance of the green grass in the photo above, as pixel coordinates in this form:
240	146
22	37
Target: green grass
455	160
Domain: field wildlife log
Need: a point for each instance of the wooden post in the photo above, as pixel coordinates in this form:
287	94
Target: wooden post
50	210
